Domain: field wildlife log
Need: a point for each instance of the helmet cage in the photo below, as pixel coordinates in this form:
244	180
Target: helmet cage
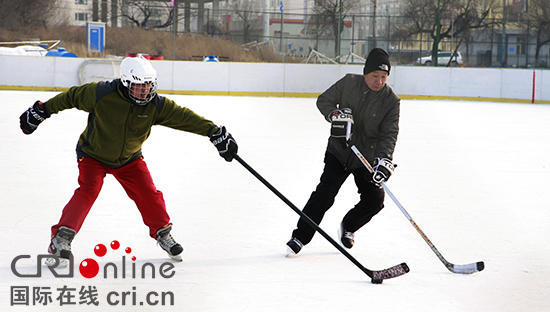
141	93
140	78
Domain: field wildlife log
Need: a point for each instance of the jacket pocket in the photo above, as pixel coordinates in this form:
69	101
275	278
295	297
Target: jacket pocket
367	148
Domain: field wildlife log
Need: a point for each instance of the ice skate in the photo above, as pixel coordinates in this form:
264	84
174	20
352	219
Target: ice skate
293	247
346	238
61	247
167	242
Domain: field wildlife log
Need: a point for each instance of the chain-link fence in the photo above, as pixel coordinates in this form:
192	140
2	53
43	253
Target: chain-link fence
498	43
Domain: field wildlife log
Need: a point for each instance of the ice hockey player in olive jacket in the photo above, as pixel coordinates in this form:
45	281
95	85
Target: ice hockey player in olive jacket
121	114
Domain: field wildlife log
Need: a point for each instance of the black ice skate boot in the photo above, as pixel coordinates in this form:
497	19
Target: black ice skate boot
167	242
293	247
61	246
346	238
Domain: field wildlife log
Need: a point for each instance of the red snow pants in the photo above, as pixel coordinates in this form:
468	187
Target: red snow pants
136	180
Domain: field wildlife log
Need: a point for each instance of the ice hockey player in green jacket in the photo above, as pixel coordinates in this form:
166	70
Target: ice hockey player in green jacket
121	114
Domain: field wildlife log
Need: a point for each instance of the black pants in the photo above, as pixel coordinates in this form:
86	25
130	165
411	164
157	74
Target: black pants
334	175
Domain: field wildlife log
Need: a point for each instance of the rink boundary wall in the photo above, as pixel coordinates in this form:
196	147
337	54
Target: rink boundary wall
280	80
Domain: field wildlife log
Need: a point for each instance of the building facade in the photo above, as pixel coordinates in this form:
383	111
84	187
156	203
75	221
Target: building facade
300	26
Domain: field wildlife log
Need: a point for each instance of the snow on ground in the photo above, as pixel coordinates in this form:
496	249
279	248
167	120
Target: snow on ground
473	175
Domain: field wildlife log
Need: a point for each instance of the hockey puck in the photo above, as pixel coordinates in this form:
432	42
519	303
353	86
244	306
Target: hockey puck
376	281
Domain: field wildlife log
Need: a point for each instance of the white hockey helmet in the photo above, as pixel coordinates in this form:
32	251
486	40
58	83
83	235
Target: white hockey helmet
138	75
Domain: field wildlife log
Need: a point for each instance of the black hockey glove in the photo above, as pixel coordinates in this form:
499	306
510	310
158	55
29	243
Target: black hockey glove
383	169
341	125
224	142
32	117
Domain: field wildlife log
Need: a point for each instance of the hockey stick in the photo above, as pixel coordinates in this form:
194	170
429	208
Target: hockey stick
376	276
464	269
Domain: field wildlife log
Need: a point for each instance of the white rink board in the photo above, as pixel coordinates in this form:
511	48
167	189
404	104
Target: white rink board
275	79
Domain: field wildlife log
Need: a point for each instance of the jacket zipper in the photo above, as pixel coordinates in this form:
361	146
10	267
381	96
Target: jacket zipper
126	129
360	110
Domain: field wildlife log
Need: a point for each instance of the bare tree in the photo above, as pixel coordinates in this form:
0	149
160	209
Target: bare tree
459	15
329	18
23	13
537	17
244	10
140	13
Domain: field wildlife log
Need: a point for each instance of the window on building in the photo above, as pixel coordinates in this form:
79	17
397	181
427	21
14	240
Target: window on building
320	3
81	17
80	1
157	12
521	45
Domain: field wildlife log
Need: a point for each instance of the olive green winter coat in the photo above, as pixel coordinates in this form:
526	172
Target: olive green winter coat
375	115
117	128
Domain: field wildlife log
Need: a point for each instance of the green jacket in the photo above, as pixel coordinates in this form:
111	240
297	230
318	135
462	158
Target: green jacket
117	128
375	116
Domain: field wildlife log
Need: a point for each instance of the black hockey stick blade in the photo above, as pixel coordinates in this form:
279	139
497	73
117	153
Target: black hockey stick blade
376	276
398	270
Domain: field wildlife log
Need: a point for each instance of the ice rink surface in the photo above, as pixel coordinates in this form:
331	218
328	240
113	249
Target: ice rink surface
474	176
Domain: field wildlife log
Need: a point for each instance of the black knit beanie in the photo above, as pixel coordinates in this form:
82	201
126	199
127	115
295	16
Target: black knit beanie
378	59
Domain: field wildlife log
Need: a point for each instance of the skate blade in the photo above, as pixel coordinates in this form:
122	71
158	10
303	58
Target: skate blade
339	237
176	257
290	253
62	262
